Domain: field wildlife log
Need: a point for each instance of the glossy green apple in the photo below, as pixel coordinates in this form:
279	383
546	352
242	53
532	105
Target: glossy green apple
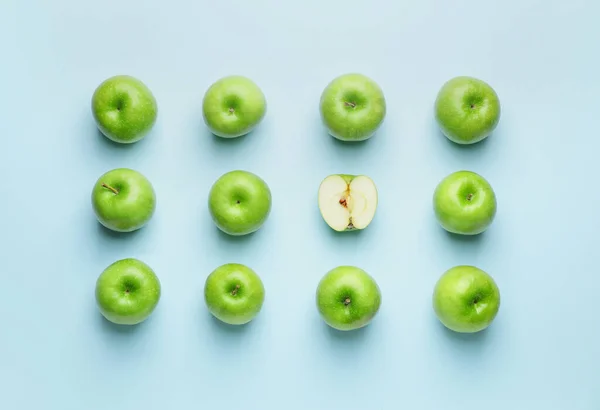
348	298
352	107
347	202
234	293
239	202
124	109
127	292
123	200
467	110
466	299
464	203
233	106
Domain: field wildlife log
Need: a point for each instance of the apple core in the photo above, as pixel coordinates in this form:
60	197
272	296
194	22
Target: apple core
347	202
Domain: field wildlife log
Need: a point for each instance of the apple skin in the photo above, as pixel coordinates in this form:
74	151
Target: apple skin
466	299
348	298
127	292
123	200
464	203
352	107
467	110
233	106
124	109
239	202
234	293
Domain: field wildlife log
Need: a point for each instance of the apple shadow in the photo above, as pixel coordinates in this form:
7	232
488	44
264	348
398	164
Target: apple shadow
470	345
224	143
469	338
234	239
109	234
224	330
457	238
114	329
111	145
476	146
482	147
346	336
347	145
351	239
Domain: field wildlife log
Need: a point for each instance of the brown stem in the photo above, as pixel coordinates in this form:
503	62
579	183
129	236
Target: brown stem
231	111
347	301
111	188
235	291
469	197
350	104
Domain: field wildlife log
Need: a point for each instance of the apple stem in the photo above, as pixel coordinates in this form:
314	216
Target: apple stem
231	111
347	301
350	104
235	291
111	188
469	197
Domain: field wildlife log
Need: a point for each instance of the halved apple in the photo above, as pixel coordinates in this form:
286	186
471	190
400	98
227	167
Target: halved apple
347	202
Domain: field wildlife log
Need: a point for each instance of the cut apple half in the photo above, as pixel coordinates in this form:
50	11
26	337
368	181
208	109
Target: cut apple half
347	202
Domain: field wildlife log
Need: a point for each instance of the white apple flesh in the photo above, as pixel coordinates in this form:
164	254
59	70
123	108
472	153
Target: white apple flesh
347	202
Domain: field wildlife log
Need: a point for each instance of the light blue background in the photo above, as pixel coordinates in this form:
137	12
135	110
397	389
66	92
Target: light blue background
542	352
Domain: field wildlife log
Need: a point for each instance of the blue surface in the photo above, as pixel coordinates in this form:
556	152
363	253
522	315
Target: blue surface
543	351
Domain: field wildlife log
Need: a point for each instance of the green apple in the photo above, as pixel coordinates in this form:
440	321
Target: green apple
239	202
352	107
467	110
123	200
124	109
466	299
234	293
348	298
233	106
464	203
347	202
127	292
